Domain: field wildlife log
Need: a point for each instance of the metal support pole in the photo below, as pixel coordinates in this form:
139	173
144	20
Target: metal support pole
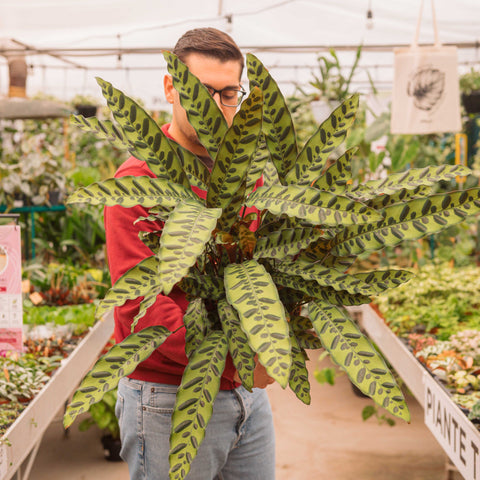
30	461
32	232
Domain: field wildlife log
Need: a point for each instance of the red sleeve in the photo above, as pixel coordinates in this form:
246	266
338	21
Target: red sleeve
125	250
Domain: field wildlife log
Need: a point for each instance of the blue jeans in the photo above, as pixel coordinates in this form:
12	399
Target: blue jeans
239	442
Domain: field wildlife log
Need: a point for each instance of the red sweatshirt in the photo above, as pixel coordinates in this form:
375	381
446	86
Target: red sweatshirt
124	251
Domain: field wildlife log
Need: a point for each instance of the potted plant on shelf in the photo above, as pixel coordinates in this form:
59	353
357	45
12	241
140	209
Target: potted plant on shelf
273	292
85	105
32	163
436	316
332	85
470	88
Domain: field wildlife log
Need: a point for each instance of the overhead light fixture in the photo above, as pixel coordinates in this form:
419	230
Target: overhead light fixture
119	56
369	23
229	27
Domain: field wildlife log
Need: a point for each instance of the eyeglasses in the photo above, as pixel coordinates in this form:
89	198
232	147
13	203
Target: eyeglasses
229	97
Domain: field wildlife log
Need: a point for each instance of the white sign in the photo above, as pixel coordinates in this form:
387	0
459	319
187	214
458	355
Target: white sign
452	429
11	309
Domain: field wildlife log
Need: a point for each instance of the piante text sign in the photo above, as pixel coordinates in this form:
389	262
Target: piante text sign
452	429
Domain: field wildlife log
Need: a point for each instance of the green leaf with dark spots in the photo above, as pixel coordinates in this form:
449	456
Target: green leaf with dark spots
208	287
129	191
144	134
335	178
138	281
202	110
118	362
308	340
304	333
104	130
196	171
400	196
253	294
312	160
258	164
313	290
151	239
381	280
316	206
410	179
195	321
277	122
411	220
236	152
351	350
185	234
315	254
148	300
232	211
298	381
285	243
194	402
243	356
326	277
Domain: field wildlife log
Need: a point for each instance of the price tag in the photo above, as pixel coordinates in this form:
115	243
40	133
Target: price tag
461	150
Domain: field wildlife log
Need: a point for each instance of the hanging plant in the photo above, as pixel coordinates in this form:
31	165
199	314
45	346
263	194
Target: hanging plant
279	290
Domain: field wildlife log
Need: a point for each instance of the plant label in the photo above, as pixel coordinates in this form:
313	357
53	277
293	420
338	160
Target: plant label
11	310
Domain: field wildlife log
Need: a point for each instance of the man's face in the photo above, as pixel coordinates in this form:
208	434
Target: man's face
212	73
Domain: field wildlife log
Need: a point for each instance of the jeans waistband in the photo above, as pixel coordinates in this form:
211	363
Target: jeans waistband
141	385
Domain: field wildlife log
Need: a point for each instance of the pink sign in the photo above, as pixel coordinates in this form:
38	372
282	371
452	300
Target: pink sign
11	311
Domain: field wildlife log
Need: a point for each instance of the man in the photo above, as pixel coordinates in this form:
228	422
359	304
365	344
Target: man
239	441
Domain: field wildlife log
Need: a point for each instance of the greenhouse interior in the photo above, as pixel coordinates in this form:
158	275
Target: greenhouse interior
239	240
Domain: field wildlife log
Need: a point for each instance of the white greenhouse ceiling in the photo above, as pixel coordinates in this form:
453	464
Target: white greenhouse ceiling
67	43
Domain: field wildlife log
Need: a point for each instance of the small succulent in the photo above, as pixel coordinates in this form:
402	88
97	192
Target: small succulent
19	382
467	342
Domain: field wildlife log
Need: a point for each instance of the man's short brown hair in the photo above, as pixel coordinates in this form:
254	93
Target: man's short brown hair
209	42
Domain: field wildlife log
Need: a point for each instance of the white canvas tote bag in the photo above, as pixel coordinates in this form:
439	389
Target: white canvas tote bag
425	96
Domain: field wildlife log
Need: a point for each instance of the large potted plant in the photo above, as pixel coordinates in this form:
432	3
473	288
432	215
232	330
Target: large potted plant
470	89
273	292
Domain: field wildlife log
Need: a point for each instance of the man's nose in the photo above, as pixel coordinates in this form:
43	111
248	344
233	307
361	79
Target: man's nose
223	108
216	97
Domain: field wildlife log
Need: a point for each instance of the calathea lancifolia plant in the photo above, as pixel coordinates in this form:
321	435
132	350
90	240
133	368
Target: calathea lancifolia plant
276	291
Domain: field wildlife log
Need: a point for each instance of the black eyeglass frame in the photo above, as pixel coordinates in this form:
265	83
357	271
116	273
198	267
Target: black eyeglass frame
240	90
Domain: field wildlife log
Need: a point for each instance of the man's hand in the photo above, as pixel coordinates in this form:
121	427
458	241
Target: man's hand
261	379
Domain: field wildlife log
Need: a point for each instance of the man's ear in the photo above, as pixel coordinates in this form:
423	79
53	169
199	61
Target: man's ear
169	89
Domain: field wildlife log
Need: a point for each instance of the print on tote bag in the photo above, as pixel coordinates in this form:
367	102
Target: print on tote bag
427	87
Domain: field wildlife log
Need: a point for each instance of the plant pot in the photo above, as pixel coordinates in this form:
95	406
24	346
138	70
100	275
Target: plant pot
322	109
86	110
471	102
111	448
20	200
358	392
55	197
